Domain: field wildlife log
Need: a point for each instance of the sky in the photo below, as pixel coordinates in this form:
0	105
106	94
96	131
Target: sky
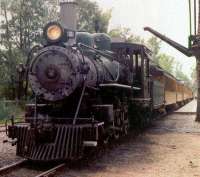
169	17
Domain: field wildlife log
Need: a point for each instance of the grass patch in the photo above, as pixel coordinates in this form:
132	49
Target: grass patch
9	108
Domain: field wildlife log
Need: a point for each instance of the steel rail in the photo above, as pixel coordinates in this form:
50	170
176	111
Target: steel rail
13	166
52	171
184	113
20	164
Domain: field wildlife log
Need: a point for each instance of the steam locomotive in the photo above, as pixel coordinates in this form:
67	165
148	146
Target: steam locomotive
84	88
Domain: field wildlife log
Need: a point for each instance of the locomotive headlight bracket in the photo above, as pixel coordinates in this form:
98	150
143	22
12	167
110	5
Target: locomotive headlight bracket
53	32
71	34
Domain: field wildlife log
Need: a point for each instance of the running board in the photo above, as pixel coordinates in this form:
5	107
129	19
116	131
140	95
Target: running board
90	143
120	86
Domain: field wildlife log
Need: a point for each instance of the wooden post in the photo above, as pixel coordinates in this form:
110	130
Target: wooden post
198	88
198	74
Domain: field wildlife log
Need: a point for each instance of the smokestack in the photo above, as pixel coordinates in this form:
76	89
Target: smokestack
68	14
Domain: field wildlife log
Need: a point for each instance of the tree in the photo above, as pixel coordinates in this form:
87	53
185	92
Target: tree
161	59
89	14
194	46
194	79
21	28
52	11
180	74
198	73
166	62
126	35
23	20
22	23
154	44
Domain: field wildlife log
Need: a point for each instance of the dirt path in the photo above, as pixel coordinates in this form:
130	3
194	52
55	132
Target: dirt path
7	152
171	148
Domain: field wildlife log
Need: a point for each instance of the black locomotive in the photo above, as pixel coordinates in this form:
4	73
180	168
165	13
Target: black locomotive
84	87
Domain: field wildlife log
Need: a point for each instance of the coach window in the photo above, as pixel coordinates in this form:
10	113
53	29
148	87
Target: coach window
139	61
146	67
134	62
138	64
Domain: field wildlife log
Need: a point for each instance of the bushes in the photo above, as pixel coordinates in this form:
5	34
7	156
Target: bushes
8	108
7	92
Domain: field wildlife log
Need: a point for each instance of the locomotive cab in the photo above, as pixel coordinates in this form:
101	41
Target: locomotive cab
137	57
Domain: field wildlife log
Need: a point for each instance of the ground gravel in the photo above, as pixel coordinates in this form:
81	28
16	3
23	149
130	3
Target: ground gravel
171	148
7	152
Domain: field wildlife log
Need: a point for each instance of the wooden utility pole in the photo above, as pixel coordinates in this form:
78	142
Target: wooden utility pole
198	72
194	46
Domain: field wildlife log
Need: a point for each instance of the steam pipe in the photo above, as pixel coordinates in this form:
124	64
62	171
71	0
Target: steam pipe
172	43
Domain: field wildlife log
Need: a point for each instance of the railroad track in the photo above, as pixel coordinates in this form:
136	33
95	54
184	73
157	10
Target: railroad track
24	168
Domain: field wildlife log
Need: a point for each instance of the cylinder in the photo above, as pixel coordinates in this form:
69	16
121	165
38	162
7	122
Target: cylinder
68	14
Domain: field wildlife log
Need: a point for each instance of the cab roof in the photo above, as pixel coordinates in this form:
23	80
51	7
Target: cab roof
132	47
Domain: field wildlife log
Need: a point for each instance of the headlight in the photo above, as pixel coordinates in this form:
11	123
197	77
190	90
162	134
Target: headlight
53	32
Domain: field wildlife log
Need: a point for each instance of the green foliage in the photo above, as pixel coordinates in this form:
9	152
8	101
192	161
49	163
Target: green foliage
22	22
194	73
180	74
154	44
89	13
9	108
125	34
52	10
166	62
21	28
4	111
194	78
